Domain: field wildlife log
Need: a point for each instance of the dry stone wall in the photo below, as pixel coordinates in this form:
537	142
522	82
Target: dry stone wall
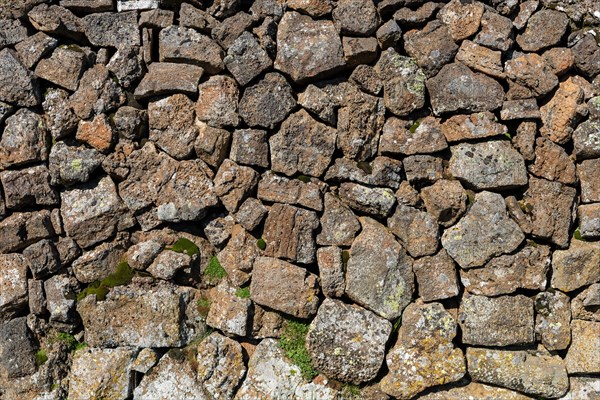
299	199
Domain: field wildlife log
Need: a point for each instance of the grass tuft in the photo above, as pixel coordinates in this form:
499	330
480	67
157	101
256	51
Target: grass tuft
70	341
214	271
41	357
243	292
293	342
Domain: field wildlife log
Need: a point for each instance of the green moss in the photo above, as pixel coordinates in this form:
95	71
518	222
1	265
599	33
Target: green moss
345	257
350	391
304	178
70	341
185	246
243	292
577	235
203	306
397	324
470	197
122	276
214	271
413	127
41	357
73	47
508	135
261	244
293	342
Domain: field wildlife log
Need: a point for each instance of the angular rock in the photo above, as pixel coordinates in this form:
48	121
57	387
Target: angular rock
457	88
431	46
59	116
586	140
12	32
19	230
436	277
172	125
166	78
553	315
98	263
545	28
551	207
582	356
64	67
97	133
13	284
302	145
484	232
406	16
307	49
231	28
381	171
218	102
267	102
266	323
462	19
288	233
237	258
212	144
141	255
586	304
531	72
481	59
130	122
331	271
586	55
16	349
43	258
250	147
559	60
59	303
246	59
388	34
520	109
17	84
589	220
251	213
88	6
277	189
526	10
423	355
498	321
233	183
192	17
496	31
590	186
445	200
423	168
577	266
582	387
560	113
179	44
380	281
533	373
228	312
366	78
476	391
490	165
526	269
417	230
424	136
524	140
552	162
359	50
357	18
126	5
147	317
284	287
98	93
339	225
112	29
375	201
459	128
126	64
28	187
336	334
101	373
168	263
158	18
56	20
71	164
320	103
24	139
218	230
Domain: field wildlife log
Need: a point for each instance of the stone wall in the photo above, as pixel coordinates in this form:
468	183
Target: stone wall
299	199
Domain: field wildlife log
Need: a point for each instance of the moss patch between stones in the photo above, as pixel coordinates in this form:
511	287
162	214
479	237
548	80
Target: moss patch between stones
293	342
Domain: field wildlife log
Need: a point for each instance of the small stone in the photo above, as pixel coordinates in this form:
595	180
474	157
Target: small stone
576	267
158	19
307	49
19	230
432	46
331	271
375	201
237	258
380	281
589	220
43	258
250	147
359	50
17	84
141	255
530	372
167	78
23	140
13	282
552	162
302	145
126	64
97	133
544	29
559	60
267	102
526	10
336	334
526	269
553	315
246	59
218	230
355	17
560	113
63	68
476	391
462	19
586	140
436	277
172	125
457	88
200	20
12	32
320	103
112	29
481	59
426	137
99	262
218	102
484	232
289	233
59	117
406	16
490	165
251	213
388	34
233	183
585	305
587	172
365	77
445	200
524	140
408	195
17	349
583	387
28	187
496	31
126	5
57	20
551	206
423	355
497	321
382	171
33	48
531	72
212	144
97	93
166	265
586	55
179	44
37	298
266	323
71	164
582	356
130	122
339	225
284	287
228	312
475	126
277	189
520	109
423	168
417	230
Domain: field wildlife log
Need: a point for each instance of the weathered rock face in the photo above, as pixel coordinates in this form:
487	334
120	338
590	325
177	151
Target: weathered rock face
436	276
16	349
18	84
268	102
172	125
576	266
13	282
335	335
417	230
24	139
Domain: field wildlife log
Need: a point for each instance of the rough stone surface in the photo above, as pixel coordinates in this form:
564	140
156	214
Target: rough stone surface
586	140
172	125
233	183
481	125
590	187
462	19
436	277
553	163
28	187
582	356
250	147
331	271
417	230
23	140
589	220
19	230
339	225
246	59
17	84
217	102
560	113
375	201
425	138
432	46
278	189
545	28
481	59
228	312
445	200
531	72
97	93
112	29
97	133
70	164
16	348
553	315
13	282
576	266
268	102
335	335
64	67
166	78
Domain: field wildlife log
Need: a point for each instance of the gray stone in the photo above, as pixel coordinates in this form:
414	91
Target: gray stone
59	304
359	51
320	103
56	20
497	321
126	64
19	230
484	232
218	230
590	186
388	34
250	147
530	372
586	140
357	18
172	127
445	200
553	315
268	102
228	312
179	44
246	59
251	213
130	123
526	269
337	334
88	6
212	144
37	298
126	5
375	201
423	137
141	255
406	16
307	49
496	31
59	117
476	391
237	258
63	68
463	19
586	304
28	187
423	168
277	189
582	356
217	103
381	281
16	349
436	277
339	225
417	230
366	78
457	88
158	18
192	17
12	32
112	29
520	109
589	220
70	164
331	271
33	48
231	28
582	387
233	183
13	282
552	162
284	287
576	267
423	355
586	55
545	28
166	78
302	145
18	84
381	171
526	10
491	165
97	93
43	258
168	263
431	46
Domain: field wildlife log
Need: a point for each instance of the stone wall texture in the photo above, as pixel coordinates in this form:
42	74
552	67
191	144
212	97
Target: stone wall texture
299	199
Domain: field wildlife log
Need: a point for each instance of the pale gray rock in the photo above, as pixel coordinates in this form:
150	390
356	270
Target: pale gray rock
228	312
250	147
246	59
13	284
553	316
278	189
72	164
375	201
339	225
436	277
23	140
112	29
576	267
167	78
268	102
17	84
417	230
582	356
